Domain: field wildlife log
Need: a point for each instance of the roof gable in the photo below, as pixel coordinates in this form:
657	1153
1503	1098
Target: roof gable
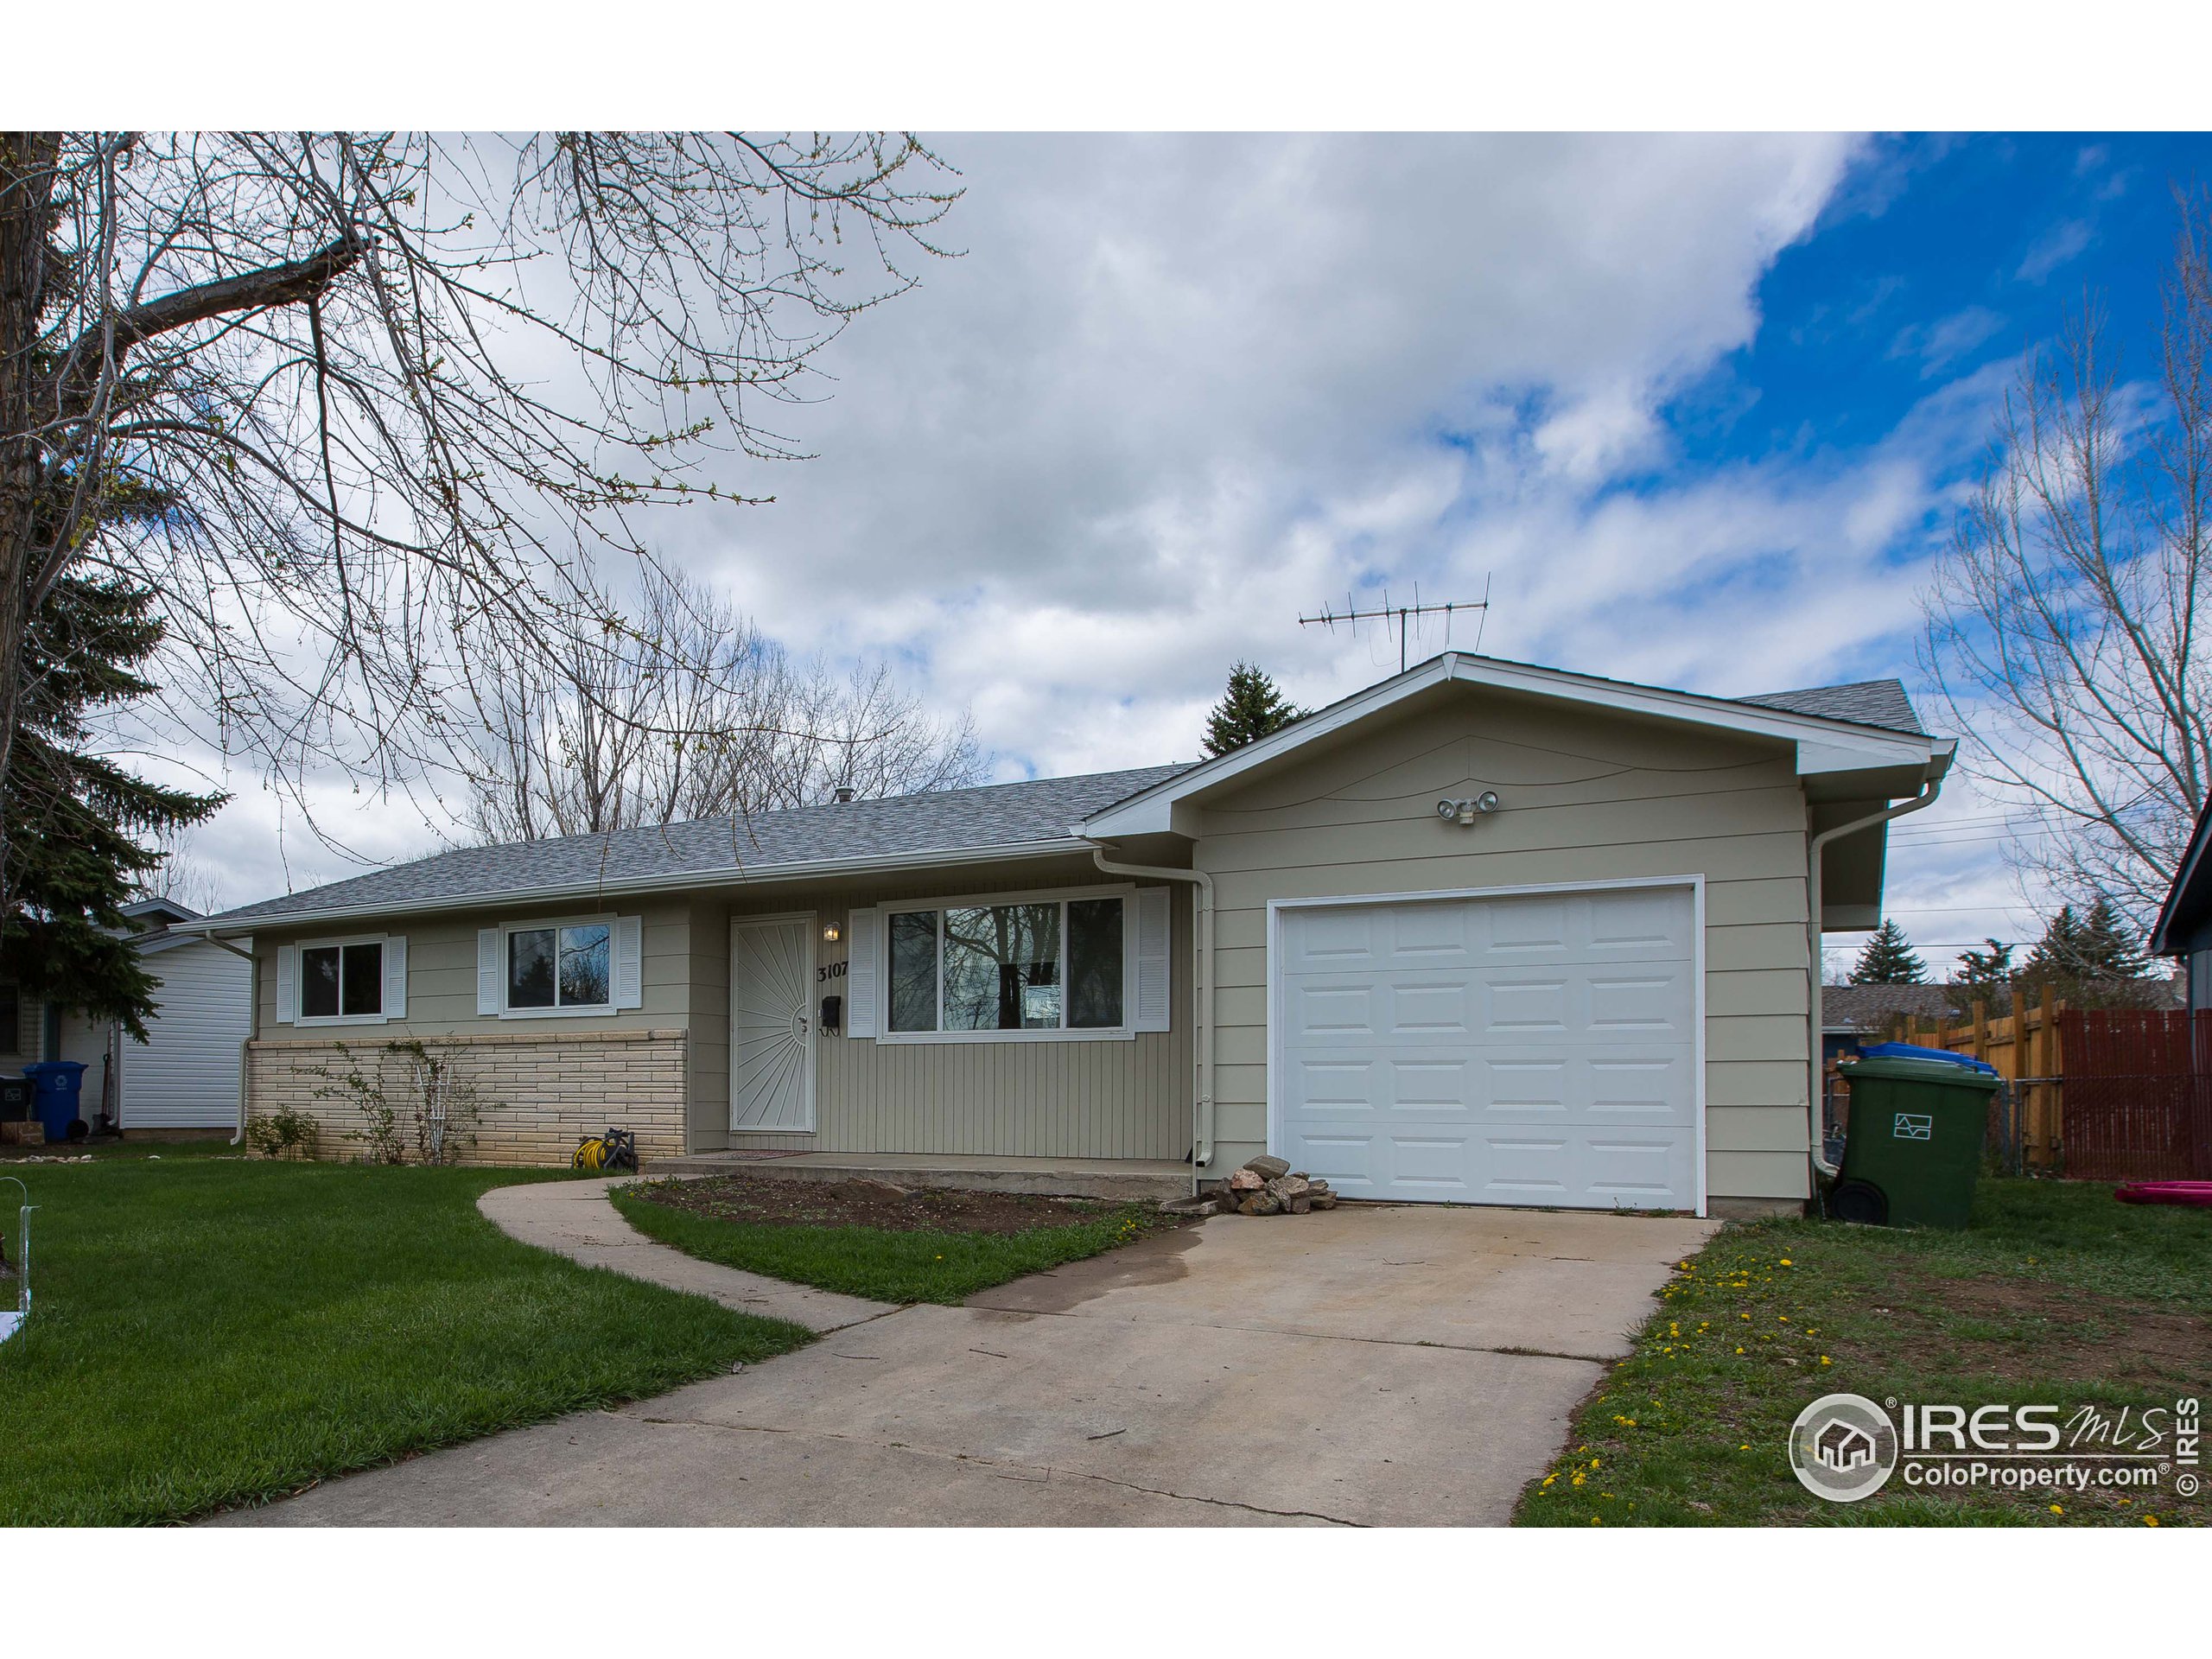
1830	728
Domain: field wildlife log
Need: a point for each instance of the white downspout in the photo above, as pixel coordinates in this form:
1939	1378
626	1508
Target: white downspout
1816	1068
1202	980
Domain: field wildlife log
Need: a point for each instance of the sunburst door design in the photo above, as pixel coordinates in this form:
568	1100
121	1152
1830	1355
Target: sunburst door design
771	1025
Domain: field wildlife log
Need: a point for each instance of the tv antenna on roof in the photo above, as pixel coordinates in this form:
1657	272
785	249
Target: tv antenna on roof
1404	616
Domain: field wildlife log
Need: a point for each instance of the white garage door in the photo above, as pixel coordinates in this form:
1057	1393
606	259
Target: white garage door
1537	1050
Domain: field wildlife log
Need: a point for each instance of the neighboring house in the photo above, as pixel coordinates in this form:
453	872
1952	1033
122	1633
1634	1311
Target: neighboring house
2184	928
1851	1014
186	1075
1483	933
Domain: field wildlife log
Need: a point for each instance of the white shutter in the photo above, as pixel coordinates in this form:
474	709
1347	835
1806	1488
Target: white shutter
287	983
1153	932
488	975
395	977
862	929
629	961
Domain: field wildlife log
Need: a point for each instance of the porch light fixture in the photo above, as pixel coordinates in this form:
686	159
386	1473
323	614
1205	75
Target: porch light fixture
831	933
1465	811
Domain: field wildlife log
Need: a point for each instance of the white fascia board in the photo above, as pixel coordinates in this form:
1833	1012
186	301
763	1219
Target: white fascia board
1821	745
695	881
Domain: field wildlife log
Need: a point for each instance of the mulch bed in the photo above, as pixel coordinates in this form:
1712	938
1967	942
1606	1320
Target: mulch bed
859	1203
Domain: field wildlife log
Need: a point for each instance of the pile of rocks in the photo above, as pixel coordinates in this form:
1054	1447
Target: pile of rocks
1267	1186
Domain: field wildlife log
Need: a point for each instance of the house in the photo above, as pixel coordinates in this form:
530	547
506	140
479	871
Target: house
1851	1014
2184	925
186	1075
1484	932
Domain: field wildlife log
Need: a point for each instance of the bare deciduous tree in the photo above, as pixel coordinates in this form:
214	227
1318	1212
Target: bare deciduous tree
711	721
407	396
2062	625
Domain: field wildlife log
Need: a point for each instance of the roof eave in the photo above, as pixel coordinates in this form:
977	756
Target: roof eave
2171	913
1823	745
237	925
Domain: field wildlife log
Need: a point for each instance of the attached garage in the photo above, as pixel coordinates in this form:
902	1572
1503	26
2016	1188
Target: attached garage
1529	1047
1491	933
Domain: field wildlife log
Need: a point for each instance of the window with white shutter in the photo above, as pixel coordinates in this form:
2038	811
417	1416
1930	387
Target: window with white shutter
357	981
861	928
1153	951
1076	965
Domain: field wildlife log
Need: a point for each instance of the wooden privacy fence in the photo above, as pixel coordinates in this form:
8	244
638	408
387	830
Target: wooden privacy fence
2097	1094
2138	1094
2028	1048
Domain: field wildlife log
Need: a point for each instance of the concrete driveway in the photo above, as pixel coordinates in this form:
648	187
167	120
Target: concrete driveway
1377	1366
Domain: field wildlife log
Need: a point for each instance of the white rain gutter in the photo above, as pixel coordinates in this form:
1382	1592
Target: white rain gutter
1816	1065
1202	979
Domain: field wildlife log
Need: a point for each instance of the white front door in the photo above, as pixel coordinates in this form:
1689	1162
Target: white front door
1537	1049
771	1024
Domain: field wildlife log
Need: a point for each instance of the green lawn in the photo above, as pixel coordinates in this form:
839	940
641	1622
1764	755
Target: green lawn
130	1149
2056	1293
210	1332
883	1265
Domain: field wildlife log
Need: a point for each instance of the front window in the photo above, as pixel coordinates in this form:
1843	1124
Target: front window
341	981
560	967
1037	965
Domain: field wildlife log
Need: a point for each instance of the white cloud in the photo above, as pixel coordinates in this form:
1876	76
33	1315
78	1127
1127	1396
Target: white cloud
1178	390
1940	344
2060	244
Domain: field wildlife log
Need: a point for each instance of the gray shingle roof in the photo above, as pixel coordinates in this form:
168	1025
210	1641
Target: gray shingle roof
945	821
1870	1007
956	822
1865	702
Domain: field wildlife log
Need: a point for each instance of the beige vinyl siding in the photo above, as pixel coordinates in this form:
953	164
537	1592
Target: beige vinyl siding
706	1090
1104	1098
1586	798
441	972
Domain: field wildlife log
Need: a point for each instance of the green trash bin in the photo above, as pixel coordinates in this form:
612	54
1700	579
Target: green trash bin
1918	1118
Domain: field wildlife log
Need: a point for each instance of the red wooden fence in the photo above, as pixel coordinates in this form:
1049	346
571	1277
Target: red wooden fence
2138	1100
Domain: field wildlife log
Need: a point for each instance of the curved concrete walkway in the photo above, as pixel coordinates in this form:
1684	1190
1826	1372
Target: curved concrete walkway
573	1218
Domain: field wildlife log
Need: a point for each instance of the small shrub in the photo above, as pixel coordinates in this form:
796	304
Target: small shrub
280	1132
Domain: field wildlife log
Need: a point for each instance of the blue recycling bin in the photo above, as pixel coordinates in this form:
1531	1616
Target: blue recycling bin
58	1086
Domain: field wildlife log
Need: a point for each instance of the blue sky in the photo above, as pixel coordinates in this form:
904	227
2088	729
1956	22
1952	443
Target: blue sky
1696	410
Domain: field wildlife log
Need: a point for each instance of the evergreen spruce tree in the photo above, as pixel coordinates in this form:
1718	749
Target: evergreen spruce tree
2092	960
78	824
1251	708
2110	948
1984	976
2056	957
1889	959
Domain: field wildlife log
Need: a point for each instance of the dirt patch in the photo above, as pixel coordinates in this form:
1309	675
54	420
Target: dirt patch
2030	1329
784	1202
